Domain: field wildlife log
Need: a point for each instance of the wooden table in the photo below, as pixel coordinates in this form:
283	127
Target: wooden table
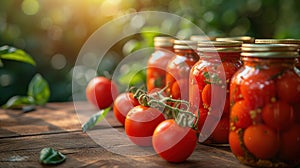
23	135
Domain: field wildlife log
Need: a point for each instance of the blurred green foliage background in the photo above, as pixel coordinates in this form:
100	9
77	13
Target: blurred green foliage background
54	31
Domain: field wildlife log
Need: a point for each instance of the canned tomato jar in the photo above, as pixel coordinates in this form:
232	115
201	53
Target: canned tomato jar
209	88
157	63
179	67
281	41
265	107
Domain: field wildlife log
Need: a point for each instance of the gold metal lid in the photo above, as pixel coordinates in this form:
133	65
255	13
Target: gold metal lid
202	38
278	41
244	39
270	50
163	41
185	44
219	46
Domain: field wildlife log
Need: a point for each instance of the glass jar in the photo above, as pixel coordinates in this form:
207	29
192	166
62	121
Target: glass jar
265	107
209	88
157	63
244	39
282	41
178	68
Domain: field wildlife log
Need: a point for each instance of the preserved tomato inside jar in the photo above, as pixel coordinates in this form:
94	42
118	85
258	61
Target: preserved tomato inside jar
265	98
157	63
178	68
209	88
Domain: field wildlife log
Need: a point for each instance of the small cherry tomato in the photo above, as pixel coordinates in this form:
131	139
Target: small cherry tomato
180	89
235	144
288	87
123	104
215	92
173	142
290	144
240	114
101	92
258	89
140	123
278	115
261	141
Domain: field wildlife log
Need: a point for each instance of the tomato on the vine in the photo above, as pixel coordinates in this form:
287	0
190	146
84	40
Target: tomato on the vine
278	115
261	141
101	92
140	123
123	104
173	142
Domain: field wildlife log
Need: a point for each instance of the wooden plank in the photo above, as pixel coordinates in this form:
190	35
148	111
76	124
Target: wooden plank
53	118
81	151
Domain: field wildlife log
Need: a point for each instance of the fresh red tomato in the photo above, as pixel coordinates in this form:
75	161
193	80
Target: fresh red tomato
278	115
258	89
240	114
235	144
123	104
290	144
173	142
101	92
288	87
140	123
261	141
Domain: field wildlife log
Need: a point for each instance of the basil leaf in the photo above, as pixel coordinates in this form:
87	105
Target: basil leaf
51	156
94	119
39	90
19	102
11	53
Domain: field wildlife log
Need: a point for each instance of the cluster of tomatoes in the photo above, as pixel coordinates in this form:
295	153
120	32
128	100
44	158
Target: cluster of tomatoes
265	118
145	125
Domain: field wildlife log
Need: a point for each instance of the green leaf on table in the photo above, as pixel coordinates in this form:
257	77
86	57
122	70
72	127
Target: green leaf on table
12	53
18	102
39	90
94	119
51	156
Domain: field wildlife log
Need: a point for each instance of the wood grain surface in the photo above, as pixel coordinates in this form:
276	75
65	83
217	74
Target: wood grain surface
58	125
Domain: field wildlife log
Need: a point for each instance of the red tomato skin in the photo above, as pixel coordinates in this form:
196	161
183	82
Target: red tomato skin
172	142
101	92
278	115
122	105
240	114
288	87
290	144
220	134
140	124
235	144
261	141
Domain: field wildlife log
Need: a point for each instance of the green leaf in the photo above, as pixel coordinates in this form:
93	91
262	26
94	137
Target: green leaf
51	156
18	102
11	53
96	118
39	90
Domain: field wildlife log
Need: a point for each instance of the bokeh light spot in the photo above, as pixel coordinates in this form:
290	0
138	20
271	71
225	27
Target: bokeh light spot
58	61
30	7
